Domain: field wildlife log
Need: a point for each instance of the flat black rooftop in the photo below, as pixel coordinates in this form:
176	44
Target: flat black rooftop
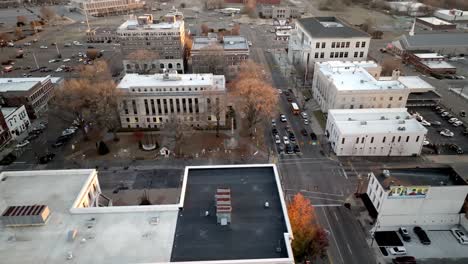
429	95
421	177
330	27
254	233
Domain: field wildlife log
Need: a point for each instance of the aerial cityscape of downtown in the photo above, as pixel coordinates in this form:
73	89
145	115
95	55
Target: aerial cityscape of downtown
234	131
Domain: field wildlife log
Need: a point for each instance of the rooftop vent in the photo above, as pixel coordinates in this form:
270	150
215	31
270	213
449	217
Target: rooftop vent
402	128
382	118
26	215
397	117
223	206
401	122
363	122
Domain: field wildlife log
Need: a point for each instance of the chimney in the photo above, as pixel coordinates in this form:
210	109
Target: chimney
223	206
395	74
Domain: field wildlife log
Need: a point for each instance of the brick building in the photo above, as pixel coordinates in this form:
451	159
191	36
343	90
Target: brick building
429	62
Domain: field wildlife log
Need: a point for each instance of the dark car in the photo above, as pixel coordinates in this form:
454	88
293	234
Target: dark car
289	149
404	260
465	131
423	238
296	149
290	99
32	136
456	148
304	132
46	158
404	234
286	93
292	137
313	136
274	131
8	159
281	148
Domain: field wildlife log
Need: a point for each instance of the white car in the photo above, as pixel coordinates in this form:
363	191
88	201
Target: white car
426	142
444	114
59	69
273	122
286	140
446	133
280	91
66	60
304	115
425	123
10	44
453	120
22	144
27	44
43	47
277	139
397	250
306	121
250	42
457	123
68	131
283	118
460	236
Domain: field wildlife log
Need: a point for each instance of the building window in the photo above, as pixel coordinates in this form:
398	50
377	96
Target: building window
351	107
128	119
135	112
383	140
417	139
342	140
389	106
346	54
407	138
363	44
399	138
356	54
323	45
136	119
331	54
361	106
357	140
165	106
347	44
393	139
401	98
333	44
322	55
317	45
358	44
316	55
391	98
341	54
361	54
169	65
362	140
161	65
372	140
148	120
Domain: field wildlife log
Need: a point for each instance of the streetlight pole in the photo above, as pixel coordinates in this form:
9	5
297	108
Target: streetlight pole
35	60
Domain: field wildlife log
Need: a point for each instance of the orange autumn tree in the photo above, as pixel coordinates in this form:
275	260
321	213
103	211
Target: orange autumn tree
256	98
310	240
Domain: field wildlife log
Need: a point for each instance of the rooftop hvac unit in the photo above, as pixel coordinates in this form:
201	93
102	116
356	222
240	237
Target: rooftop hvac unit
26	215
402	128
382	118
397	117
401	122
363	122
223	206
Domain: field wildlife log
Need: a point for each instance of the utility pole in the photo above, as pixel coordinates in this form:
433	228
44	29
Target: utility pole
56	47
86	15
35	60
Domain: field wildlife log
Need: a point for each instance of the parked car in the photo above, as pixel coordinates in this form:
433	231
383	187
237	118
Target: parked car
436	123
46	158
425	123
457	123
281	148
404	260
397	250
283	118
32	136
441	110
456	148
68	131
444	114
285	140
22	144
304	132
296	149
290	99
453	120
404	234
437	107
274	131
462	113
306	121
277	139
423	238
304	115
448	117
446	133
460	236
273	122
465	131
292	137
43	47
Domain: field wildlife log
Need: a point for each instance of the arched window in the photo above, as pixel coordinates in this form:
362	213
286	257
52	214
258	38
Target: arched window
161	65
169	65
178	65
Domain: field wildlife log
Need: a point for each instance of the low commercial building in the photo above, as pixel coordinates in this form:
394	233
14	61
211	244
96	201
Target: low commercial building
58	216
101	35
150	101
149	45
446	43
433	23
458	17
106	7
429	197
317	39
258	2
222	57
374	132
349	85
5	135
16	119
279	11
33	93
430	63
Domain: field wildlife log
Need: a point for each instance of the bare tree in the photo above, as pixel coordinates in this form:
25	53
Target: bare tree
250	8
390	64
235	31
204	29
143	58
92	54
4	39
256	99
332	5
47	13
215	107
176	133
92	98
368	25
19	33
214	4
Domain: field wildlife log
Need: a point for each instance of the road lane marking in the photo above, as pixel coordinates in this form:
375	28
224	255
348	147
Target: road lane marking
336	217
333	236
349	248
340	195
344	173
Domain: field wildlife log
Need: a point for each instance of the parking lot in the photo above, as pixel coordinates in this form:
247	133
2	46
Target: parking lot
434	136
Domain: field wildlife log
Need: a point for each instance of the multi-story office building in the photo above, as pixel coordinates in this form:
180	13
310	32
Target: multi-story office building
318	39
149	101
16	119
279	11
374	132
33	93
163	43
349	85
106	7
210	55
417	196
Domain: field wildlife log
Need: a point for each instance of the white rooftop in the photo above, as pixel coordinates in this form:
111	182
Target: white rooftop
132	24
24	84
352	75
434	21
415	82
375	121
438	65
102	237
7	111
429	56
133	80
